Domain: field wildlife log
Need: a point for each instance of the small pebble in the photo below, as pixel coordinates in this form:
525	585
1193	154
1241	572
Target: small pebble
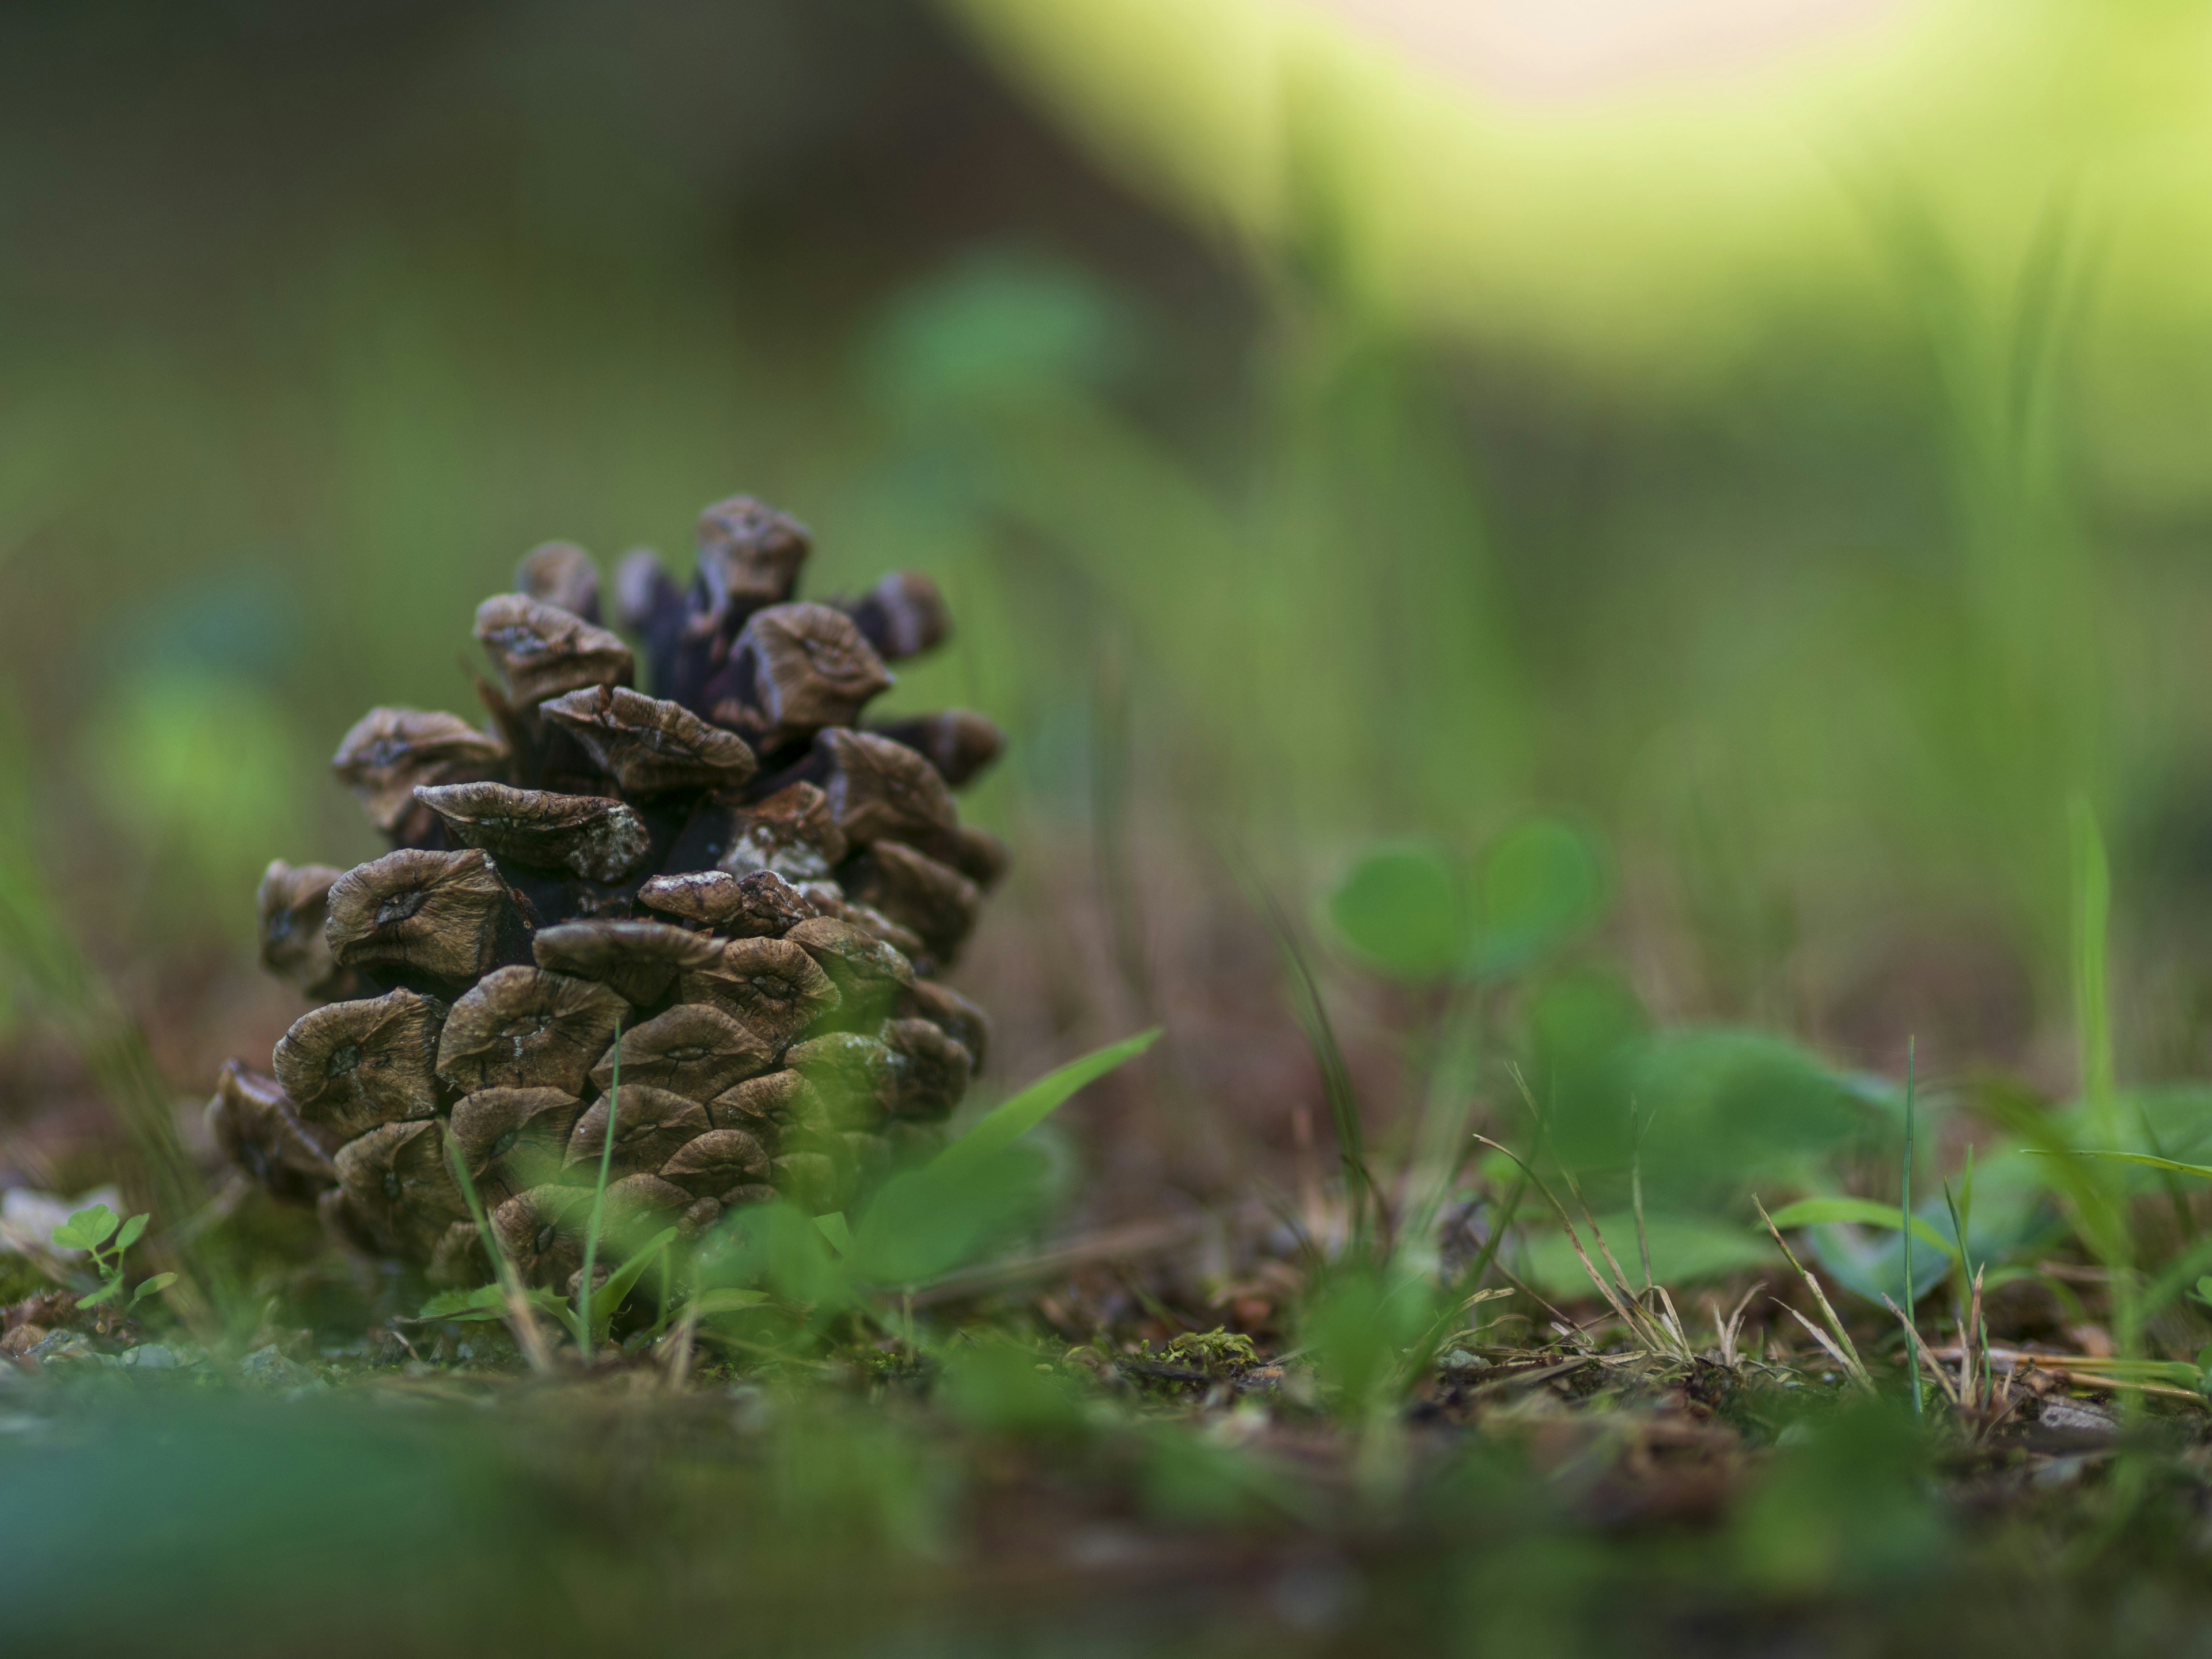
2075	1417
151	1357
268	1367
62	1345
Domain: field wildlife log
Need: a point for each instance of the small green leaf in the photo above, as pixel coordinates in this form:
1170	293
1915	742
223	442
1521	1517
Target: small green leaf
710	1303
1540	884
925	1222
1404	908
1826	1211
1009	1121
779	1245
609	1296
2205	1292
101	1295
833	1227
133	1230
87	1229
484	1302
154	1286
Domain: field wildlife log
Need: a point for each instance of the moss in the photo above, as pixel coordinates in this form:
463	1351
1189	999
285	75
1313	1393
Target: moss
19	1277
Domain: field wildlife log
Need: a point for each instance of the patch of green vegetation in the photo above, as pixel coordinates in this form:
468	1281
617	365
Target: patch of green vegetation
1219	1349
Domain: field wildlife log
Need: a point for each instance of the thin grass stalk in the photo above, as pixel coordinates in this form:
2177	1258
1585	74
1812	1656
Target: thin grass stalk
1500	1223
1726	1331
681	1344
1574	1186
1674	1340
521	1317
1365	1197
1449	1103
1638	1319
1989	1375
1635	1132
1827	1343
585	1338
1611	1262
1918	1354
2092	920
1904	1205
1845	1351
2185	1220
1673	1321
109	1041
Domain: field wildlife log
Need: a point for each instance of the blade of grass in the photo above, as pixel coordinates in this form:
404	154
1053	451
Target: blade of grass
1500	1223
521	1318
1842	1347
1012	1119
1847	1362
1866	1211
624	1278
2092	1026
2145	1159
1904	1205
1329	1058
1575	1189
2093	904
1440	1143
1635	1132
1639	1321
1917	1354
107	1037
584	1327
2185	1223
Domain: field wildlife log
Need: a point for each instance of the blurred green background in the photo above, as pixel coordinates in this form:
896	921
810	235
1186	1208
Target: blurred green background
1793	478
1714	490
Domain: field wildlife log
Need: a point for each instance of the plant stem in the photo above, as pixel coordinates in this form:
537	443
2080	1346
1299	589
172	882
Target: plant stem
587	1338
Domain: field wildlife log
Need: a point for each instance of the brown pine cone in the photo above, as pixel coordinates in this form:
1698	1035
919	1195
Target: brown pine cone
752	890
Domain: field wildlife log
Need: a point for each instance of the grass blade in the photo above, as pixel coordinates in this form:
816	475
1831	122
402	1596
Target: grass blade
1636	1133
1329	1058
521	1318
1905	1206
1009	1121
1845	1351
624	1278
2145	1159
1866	1212
1647	1330
584	1327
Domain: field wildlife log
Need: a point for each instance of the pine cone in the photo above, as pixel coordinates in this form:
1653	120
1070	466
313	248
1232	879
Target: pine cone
755	891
